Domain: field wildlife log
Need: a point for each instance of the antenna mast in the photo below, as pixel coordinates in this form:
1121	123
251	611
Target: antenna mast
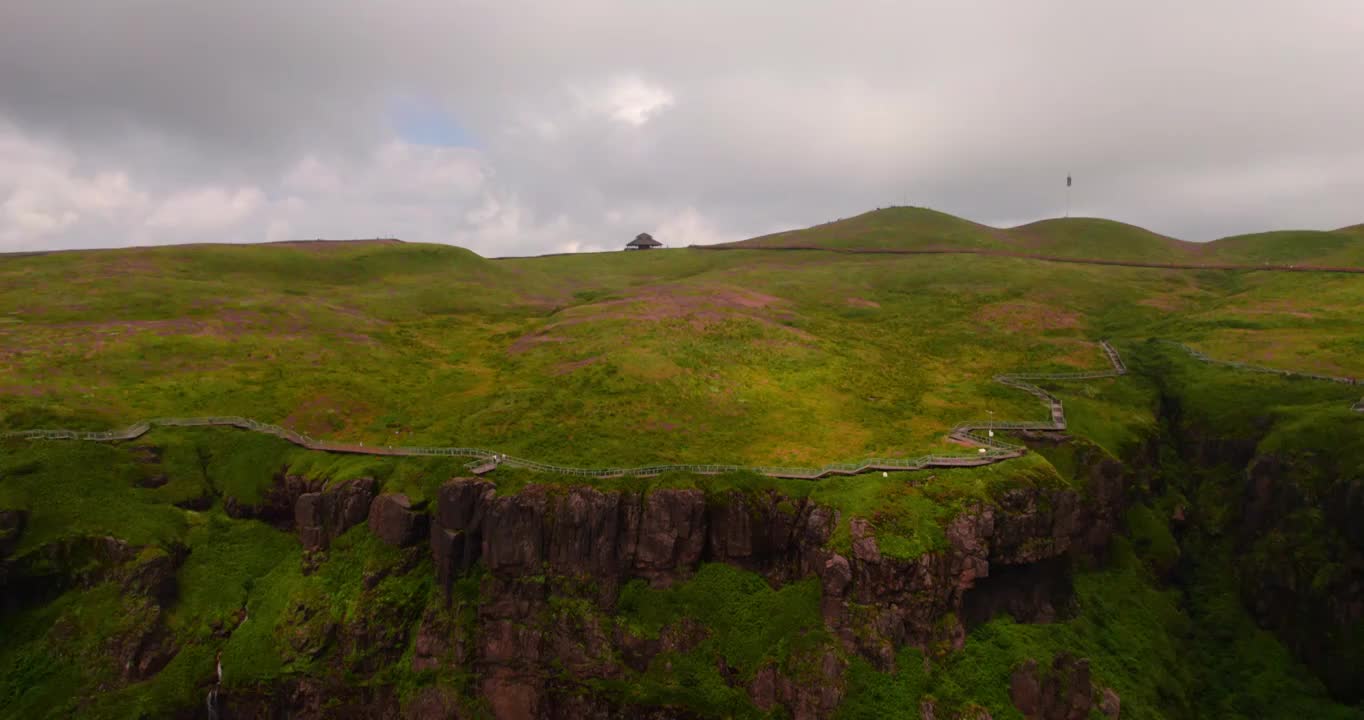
1067	194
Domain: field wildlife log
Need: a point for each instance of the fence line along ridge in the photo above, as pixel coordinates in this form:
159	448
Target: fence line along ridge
992	449
1198	355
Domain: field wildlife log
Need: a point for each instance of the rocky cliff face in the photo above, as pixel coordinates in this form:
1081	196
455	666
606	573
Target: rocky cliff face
1299	566
1286	524
528	586
585	542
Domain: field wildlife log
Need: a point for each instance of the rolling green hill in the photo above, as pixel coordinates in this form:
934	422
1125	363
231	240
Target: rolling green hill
1343	247
897	227
920	229
734	357
1191	534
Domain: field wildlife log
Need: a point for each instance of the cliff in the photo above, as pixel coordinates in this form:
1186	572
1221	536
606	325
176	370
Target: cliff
529	587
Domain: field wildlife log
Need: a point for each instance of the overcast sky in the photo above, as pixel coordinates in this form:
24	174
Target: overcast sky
519	128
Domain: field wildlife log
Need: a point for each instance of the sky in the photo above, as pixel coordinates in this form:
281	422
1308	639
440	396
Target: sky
515	128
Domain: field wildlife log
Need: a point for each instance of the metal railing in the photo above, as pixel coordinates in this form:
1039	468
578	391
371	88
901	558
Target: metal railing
1199	355
992	449
971	430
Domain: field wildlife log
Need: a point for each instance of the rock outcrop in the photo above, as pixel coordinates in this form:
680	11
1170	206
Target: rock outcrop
278	503
392	519
320	517
585	542
1066	692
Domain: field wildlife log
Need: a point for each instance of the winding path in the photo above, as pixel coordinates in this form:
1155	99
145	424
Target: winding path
980	433
1197	355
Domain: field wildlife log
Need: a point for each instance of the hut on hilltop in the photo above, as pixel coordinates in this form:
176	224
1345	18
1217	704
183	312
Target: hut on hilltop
643	241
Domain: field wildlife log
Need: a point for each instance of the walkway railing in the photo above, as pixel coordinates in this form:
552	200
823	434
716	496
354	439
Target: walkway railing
980	433
970	431
1198	355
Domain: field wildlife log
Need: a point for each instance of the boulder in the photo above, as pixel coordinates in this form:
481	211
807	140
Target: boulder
153	573
322	516
393	520
1064	693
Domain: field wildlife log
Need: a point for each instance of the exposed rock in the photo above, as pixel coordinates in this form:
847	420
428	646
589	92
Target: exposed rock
836	576
321	517
310	699
763	689
864	541
432	703
1298	560
514	532
1064	693
277	504
141	646
1039	592
460	503
47	571
670	527
154	480
1110	704
583	536
198	503
583	543
371	640
1025	689
153	574
439	642
392	519
457	527
448	553
146	654
512	696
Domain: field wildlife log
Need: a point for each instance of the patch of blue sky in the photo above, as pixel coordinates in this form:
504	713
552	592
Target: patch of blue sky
423	121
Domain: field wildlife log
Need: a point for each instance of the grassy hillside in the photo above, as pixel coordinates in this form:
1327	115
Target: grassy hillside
1096	238
682	355
620	358
1344	247
911	228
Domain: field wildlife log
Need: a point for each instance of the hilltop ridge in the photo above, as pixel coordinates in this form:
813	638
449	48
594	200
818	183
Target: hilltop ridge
922	229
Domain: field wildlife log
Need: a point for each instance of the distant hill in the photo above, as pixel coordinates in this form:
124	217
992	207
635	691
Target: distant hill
921	229
1098	238
897	227
1336	247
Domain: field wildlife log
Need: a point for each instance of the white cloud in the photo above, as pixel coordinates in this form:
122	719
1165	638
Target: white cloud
588	122
689	227
628	99
195	212
45	194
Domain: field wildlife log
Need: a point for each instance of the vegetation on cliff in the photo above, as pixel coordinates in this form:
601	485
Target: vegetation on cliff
130	571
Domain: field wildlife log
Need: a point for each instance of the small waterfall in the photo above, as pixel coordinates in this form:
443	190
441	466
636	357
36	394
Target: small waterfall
212	700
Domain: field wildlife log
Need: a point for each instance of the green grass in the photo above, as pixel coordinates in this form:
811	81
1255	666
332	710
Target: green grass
76	490
228	559
679	356
620	359
913	228
1163	660
749	625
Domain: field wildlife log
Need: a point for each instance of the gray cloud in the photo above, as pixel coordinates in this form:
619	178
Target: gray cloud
140	121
